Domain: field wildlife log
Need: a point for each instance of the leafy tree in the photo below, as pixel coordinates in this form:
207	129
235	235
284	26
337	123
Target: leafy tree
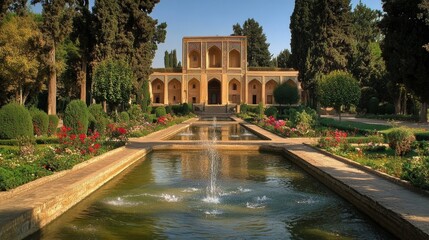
112	82
258	54
57	24
20	65
17	6
424	6
106	22
406	32
283	59
286	93
366	62
179	64
337	89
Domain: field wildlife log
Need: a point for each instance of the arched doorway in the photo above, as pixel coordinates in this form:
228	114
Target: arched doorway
254	92
269	91
234	91
194	91
174	92
157	91
214	92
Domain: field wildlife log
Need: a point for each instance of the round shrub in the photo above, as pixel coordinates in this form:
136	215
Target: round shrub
40	121
124	117
400	139
186	108
98	118
271	111
160	111
337	89
244	108
76	116
53	124
286	93
373	105
15	121
135	112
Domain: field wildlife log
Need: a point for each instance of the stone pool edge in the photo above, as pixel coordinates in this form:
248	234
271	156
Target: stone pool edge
45	211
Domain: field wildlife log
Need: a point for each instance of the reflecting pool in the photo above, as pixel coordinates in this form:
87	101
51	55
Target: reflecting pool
256	195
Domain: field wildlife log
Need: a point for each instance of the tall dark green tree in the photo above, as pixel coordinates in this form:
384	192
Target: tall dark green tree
57	25
174	63
258	54
424	6
283	59
106	23
167	59
301	27
83	34
406	33
323	26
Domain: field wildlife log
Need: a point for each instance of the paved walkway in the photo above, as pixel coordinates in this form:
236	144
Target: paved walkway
380	122
403	211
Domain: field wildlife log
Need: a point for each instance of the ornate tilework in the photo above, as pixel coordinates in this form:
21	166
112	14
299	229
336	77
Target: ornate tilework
217	44
235	46
194	46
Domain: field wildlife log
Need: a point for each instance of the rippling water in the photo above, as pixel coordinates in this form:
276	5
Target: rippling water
260	196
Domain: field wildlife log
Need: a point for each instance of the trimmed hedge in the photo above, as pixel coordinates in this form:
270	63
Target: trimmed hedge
15	121
39	140
76	116
53	121
362	128
98	119
135	112
40	121
271	111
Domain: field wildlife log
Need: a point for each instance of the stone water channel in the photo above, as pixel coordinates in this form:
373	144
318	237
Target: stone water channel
221	187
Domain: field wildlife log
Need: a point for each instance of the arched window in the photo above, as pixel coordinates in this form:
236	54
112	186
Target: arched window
234	86
215	57
194	59
234	59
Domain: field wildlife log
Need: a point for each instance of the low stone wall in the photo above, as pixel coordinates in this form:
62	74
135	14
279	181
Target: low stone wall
387	218
30	220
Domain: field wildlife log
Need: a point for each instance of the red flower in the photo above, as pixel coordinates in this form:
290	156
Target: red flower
82	137
122	131
97	146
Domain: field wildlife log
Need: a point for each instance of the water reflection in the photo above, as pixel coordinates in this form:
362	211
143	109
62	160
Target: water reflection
222	132
261	196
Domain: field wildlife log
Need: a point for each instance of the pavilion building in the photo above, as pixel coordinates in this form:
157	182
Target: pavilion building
215	72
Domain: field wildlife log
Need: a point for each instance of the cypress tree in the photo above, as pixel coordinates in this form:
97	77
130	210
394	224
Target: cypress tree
174	59
166	59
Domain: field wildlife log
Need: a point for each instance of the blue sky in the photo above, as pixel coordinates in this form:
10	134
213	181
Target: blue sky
216	17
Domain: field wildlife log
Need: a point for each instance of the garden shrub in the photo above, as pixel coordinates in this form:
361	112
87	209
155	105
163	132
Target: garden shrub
389	108
76	117
149	117
271	111
186	108
401	139
124	117
260	110
417	172
53	121
21	174
373	105
135	112
160	111
40	121
243	108
15	121
98	119
168	109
